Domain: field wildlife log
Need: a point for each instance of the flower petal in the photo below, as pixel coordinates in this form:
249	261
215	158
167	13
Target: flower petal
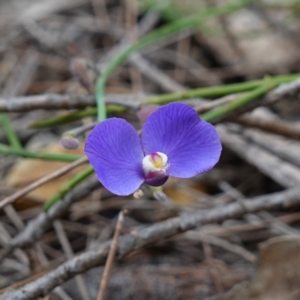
114	149
191	144
157	181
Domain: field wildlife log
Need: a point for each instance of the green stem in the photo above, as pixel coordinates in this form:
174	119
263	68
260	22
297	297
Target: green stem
74	116
288	5
68	186
38	155
218	91
168	12
11	135
154	37
223	110
207	92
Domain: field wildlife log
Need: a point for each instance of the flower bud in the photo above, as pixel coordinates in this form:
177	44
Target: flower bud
69	143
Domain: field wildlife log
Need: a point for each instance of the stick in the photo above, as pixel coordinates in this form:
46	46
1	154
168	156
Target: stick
151	234
57	101
111	255
283	172
63	239
42	222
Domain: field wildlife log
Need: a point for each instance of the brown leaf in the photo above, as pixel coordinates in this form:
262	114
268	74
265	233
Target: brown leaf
277	276
26	171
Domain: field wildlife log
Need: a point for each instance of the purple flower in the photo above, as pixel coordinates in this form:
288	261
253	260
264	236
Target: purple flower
174	142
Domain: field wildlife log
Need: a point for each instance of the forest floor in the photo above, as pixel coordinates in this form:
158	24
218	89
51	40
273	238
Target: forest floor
229	234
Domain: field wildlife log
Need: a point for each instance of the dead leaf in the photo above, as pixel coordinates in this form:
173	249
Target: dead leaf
26	171
277	276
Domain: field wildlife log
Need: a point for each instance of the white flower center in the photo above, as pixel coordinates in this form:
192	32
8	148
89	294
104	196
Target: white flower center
155	162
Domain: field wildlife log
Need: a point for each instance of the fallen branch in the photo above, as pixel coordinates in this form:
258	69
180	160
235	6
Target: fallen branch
283	172
277	126
282	147
37	227
56	101
150	234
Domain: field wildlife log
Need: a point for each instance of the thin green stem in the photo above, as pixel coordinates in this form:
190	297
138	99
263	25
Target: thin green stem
223	110
10	134
207	92
283	5
38	155
74	116
219	91
63	119
68	186
154	37
168	12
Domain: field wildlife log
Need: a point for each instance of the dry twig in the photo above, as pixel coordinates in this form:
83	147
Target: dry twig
282	147
222	243
150	234
36	227
69	253
56	101
276	126
111	255
286	174
153	73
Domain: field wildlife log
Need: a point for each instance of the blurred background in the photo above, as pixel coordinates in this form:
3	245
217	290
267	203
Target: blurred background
51	54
